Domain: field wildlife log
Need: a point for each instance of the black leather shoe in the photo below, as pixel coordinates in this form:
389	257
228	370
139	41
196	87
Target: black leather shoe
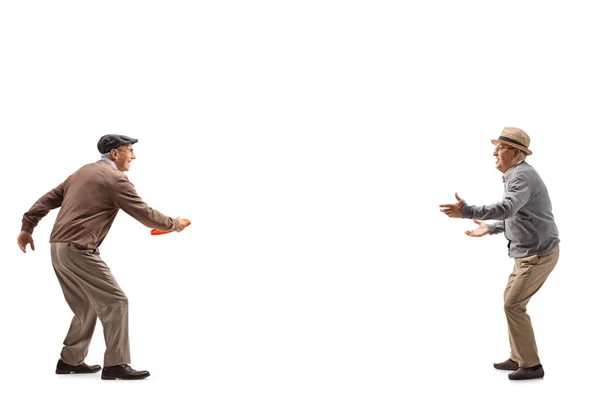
62	368
123	371
508	365
527	373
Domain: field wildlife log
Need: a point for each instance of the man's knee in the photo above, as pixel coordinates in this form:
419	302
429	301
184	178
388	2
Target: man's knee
511	307
118	304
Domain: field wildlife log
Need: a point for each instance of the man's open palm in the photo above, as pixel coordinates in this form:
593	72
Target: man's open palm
480	231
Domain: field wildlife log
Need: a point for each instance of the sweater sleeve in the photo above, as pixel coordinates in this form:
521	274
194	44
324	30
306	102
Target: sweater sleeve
127	199
51	200
517	195
496	227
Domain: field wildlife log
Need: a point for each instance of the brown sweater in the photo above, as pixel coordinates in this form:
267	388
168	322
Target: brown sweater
89	201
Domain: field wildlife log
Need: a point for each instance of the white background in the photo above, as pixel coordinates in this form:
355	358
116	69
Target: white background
310	144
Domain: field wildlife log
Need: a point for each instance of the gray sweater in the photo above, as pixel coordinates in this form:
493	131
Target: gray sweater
524	214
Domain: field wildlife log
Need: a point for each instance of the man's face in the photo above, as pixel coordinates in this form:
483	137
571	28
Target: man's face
506	157
123	156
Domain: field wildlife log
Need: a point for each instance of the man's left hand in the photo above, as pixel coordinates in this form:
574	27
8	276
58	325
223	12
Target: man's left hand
24	239
453	210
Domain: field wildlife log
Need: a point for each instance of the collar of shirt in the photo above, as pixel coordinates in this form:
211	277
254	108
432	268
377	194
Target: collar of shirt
504	175
110	161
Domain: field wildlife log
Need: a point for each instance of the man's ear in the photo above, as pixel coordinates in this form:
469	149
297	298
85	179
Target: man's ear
517	153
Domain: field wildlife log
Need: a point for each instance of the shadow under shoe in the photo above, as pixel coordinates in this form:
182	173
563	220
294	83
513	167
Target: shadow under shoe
527	373
124	372
62	368
508	365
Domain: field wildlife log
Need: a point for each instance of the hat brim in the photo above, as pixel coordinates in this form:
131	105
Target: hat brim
496	142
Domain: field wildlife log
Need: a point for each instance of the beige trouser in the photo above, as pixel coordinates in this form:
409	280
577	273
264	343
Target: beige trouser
528	276
91	292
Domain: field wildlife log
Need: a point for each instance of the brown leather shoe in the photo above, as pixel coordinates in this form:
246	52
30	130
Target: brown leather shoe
123	371
62	368
527	373
508	365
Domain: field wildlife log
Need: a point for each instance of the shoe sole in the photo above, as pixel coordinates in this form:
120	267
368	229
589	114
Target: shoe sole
506	369
524	379
76	372
113	378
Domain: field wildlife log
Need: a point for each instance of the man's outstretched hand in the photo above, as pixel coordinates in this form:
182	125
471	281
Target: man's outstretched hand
453	210
182	223
481	230
23	239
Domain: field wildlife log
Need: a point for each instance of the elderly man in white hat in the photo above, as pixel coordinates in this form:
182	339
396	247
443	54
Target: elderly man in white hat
525	217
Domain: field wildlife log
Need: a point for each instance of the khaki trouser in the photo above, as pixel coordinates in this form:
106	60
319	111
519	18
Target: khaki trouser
91	292
528	276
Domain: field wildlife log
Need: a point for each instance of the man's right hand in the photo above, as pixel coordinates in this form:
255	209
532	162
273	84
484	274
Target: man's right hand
23	239
480	231
181	225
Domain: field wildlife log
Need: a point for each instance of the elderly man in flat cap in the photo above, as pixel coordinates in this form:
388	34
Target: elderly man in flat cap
89	201
525	217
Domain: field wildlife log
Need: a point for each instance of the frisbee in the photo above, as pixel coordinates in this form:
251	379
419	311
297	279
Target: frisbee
155	232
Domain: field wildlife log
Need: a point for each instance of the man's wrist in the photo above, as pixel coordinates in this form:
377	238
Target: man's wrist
467	212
